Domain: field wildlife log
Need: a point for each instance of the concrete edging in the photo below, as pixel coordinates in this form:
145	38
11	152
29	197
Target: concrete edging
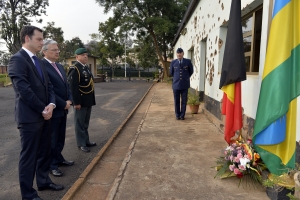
113	190
76	186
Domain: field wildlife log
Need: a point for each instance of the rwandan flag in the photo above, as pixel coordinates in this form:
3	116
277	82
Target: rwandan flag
274	134
233	72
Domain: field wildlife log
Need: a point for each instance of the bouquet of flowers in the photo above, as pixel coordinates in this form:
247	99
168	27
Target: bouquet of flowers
240	159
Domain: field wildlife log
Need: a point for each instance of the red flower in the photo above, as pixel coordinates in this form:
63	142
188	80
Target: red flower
240	175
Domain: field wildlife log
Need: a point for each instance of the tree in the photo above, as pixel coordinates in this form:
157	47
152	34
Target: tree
69	47
14	14
51	32
54	33
158	19
114	49
98	48
144	47
4	58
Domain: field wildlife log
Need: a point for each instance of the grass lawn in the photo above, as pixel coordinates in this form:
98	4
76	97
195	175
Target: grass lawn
4	79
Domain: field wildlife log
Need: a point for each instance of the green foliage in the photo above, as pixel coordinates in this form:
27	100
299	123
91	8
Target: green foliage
4	58
3	76
69	46
5	79
54	33
57	34
98	49
223	167
131	73
157	19
193	97
145	52
111	46
14	14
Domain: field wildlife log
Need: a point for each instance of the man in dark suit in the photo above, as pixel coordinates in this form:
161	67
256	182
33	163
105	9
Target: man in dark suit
181	69
35	102
63	98
82	88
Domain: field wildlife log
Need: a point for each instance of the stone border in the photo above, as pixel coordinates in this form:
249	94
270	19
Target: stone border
114	189
76	186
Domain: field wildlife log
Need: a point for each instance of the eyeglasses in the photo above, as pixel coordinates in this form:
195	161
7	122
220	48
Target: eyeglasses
55	50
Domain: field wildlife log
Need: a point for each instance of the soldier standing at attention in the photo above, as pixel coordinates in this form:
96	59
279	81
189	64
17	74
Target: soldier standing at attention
181	69
82	88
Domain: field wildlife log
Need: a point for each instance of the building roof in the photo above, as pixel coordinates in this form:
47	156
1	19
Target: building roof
190	10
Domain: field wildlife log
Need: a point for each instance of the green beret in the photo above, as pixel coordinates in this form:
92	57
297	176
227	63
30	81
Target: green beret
80	51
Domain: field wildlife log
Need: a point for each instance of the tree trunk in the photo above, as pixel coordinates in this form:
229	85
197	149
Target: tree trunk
166	70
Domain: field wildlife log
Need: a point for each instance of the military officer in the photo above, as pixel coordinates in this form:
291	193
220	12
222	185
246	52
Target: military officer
181	69
81	84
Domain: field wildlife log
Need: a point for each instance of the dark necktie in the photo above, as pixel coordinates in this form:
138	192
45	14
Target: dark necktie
37	66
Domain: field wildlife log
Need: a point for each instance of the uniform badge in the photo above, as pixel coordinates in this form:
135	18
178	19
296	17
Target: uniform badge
85	74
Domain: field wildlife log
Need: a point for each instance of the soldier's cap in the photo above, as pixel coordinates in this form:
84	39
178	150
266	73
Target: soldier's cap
80	51
179	50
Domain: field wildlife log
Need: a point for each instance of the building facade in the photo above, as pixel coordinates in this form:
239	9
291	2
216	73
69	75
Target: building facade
202	35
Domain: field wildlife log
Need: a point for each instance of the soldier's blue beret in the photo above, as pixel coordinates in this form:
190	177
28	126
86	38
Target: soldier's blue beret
179	50
80	51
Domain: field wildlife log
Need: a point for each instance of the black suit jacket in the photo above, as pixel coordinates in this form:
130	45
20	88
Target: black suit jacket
61	88
32	93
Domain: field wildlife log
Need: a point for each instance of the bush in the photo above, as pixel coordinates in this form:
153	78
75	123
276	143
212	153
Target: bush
129	72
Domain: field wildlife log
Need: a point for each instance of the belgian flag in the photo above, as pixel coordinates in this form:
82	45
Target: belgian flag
233	72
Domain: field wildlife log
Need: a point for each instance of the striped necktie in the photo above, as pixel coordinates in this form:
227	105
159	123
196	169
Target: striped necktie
56	68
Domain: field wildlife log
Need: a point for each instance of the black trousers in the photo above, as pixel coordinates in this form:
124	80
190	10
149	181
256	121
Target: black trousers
58	137
34	157
180	107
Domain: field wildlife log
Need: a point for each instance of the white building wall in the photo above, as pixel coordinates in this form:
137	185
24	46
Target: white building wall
206	35
206	28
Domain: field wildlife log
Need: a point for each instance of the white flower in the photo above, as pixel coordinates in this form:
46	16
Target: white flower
228	148
244	161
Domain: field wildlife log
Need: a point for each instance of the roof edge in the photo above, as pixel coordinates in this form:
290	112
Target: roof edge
192	6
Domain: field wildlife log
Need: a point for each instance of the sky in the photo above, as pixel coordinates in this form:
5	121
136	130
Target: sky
77	18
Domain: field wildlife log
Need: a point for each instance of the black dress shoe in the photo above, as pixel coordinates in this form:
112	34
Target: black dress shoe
177	118
56	172
91	144
67	163
85	149
52	186
36	198
182	118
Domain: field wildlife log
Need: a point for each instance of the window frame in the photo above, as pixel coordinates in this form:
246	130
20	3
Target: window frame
252	34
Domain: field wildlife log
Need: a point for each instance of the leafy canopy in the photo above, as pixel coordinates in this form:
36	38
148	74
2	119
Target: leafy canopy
14	14
158	19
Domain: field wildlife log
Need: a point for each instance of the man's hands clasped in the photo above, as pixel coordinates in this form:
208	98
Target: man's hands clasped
47	113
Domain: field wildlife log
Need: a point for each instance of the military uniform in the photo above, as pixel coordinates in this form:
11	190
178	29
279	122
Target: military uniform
181	72
81	84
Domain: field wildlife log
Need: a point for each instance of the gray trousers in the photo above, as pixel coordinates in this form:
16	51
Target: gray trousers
82	120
